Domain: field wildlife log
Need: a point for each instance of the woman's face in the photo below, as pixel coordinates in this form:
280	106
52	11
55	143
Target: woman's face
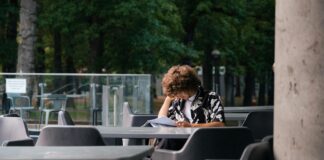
183	95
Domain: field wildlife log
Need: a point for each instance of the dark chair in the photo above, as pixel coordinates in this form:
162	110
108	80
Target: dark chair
69	136
64	118
11	115
260	123
5	103
134	120
13	132
210	143
268	138
259	151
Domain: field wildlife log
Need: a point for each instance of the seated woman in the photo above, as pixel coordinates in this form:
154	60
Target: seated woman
188	103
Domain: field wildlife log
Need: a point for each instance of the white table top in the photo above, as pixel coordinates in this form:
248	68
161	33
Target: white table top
67	153
145	132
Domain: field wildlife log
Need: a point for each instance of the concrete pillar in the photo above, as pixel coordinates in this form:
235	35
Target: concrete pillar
299	80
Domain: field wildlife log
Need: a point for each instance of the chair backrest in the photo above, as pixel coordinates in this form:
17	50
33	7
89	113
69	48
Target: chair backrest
69	136
260	150
55	101
260	123
134	120
268	139
17	100
64	118
11	115
216	143
12	128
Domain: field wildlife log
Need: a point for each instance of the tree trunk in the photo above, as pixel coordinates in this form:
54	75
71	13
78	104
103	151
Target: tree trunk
26	36
26	42
249	89
9	58
238	86
96	52
57	53
207	71
58	81
229	99
261	98
71	79
40	60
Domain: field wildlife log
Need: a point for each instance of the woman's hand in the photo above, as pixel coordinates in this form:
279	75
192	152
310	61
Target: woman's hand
210	124
165	107
183	124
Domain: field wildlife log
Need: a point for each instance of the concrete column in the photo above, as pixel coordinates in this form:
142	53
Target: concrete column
299	80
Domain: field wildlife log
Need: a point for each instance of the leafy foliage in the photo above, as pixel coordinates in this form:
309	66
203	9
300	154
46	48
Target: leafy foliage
8	45
148	36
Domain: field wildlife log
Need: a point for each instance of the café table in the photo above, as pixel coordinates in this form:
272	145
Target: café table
81	153
145	132
236	116
247	109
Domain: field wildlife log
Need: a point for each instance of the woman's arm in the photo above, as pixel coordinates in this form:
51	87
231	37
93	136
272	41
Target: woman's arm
165	107
210	124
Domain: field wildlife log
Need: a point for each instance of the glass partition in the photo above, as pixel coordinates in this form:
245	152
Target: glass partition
84	94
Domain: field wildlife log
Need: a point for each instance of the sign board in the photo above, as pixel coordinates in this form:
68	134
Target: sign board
14	85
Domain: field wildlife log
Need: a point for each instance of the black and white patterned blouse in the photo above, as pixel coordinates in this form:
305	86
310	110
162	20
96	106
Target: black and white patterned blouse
205	108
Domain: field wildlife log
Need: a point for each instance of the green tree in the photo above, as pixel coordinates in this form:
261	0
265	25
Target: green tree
8	32
145	35
241	30
149	36
211	25
258	40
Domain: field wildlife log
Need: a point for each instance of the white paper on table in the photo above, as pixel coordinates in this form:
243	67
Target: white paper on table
162	121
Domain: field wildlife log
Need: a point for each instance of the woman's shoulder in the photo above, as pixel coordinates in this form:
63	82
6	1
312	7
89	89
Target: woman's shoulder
208	95
212	93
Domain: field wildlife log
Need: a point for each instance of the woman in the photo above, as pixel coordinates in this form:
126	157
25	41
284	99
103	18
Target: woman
188	104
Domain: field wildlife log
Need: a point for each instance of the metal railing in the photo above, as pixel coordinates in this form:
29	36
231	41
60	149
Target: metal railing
134	88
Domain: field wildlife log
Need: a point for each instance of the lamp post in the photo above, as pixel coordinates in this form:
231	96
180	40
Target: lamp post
216	55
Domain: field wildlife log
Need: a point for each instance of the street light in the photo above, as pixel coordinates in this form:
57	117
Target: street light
216	55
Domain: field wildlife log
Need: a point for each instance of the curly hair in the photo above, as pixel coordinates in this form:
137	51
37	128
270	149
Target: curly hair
180	78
